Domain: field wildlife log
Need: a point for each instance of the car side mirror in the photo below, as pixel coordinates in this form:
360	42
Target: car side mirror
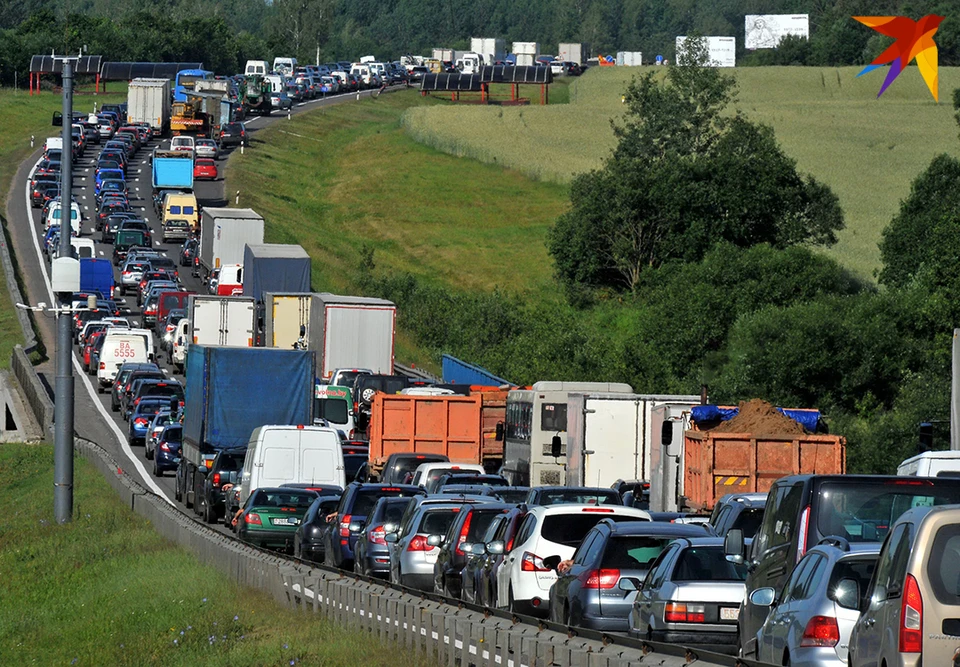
763	597
390	537
556	446
496	547
847	593
355	526
733	543
552	562
500	431
434	540
628	584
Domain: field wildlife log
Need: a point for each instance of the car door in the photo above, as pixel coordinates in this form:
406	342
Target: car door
559	593
772	636
506	571
645	604
880	618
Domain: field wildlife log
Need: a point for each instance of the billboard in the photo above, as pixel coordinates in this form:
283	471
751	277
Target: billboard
722	50
764	31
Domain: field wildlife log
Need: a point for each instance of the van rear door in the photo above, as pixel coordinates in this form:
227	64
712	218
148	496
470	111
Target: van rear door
279	449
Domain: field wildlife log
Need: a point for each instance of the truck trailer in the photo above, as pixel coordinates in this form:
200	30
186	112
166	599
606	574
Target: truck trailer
351	332
172	170
148	101
221	320
224	234
231	391
274	267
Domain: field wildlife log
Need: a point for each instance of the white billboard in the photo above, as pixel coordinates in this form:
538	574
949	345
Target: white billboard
764	31
722	51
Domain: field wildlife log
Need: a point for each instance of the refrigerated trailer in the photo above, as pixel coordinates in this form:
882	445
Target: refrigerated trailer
221	320
352	332
148	101
225	233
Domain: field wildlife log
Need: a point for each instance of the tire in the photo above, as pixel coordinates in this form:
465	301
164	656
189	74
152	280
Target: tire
209	516
156	471
149	454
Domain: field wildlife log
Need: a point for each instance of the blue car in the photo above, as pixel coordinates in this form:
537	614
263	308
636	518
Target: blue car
143	413
167	453
106	174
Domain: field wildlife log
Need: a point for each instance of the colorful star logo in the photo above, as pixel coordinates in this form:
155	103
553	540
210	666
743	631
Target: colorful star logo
914	39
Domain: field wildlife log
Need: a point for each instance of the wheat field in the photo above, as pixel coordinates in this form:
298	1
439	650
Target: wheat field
831	122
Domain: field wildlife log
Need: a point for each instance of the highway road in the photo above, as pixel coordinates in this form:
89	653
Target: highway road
94	420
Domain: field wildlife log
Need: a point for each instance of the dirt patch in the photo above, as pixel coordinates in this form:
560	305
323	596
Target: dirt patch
759	417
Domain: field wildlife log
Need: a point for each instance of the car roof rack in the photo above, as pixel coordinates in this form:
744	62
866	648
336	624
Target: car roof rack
841	543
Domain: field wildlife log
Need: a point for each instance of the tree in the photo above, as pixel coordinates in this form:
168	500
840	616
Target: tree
302	26
684	177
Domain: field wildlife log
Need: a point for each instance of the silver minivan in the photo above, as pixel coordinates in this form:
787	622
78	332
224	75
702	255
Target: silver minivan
912	612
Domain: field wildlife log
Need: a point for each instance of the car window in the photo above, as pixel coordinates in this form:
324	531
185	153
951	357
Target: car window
794	586
884	578
633	552
707	564
748	521
658	570
720	515
814	577
526	529
575	497
437	521
777	527
942	569
569	529
580	556
859	569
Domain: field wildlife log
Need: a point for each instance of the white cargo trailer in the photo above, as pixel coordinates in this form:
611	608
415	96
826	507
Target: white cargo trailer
610	435
221	320
571	52
526	53
352	332
629	58
224	233
148	101
490	48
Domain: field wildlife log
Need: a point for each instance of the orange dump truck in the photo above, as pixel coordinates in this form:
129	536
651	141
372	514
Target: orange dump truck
694	467
462	427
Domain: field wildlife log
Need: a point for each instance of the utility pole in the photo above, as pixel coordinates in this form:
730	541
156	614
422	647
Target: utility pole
63	392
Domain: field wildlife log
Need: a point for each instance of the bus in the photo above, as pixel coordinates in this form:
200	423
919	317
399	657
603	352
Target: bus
534	416
185	82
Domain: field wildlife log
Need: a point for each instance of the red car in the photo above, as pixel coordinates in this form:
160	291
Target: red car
205	168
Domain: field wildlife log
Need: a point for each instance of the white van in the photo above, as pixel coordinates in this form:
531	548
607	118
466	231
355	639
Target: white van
431	472
278	82
119	346
291	454
182	142
83	247
361	71
255	68
53	143
932	464
181	340
53	216
284	65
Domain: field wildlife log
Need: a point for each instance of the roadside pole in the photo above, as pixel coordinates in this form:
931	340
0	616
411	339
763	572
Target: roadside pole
63	391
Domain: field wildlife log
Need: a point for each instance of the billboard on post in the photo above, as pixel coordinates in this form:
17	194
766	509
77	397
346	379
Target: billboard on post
764	31
722	51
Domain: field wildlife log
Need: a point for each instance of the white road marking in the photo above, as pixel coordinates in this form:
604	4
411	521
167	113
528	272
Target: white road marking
124	446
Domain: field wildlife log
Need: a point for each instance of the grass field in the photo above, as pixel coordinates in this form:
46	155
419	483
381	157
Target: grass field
348	176
831	122
106	589
20	117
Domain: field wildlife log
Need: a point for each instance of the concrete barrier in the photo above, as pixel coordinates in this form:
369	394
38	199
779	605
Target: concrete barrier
6	261
33	391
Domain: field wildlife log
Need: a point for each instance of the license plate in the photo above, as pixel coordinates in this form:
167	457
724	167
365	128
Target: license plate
729	613
285	522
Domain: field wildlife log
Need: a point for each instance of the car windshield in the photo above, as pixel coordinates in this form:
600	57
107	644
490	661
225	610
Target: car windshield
334	410
512	495
352	464
437	521
707	564
283	498
865	512
365	499
173	433
569	529
749	521
568	496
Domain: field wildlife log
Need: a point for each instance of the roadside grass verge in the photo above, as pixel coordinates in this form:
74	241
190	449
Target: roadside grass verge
106	589
347	178
867	150
20	117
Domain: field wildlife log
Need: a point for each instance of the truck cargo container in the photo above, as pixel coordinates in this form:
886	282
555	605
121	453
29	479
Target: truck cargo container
172	170
610	436
225	233
275	267
457	371
693	469
148	101
629	58
492	49
526	53
231	391
96	276
443	55
284	313
221	320
352	332
572	52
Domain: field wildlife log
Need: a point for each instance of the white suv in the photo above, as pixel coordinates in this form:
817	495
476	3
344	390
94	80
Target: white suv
523	581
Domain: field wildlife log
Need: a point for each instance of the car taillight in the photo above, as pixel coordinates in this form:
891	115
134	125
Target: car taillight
911	617
419	543
165	447
137	402
345	525
821	631
463	533
140	421
103	366
683	613
216	479
377	535
254	519
802	543
532	563
605	579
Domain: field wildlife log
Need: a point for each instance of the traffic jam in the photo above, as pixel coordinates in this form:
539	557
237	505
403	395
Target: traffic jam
280	416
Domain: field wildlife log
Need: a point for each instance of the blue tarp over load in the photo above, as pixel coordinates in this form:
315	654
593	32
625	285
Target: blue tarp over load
808	418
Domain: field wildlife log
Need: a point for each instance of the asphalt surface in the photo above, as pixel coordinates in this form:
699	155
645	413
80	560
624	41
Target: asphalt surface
93	418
